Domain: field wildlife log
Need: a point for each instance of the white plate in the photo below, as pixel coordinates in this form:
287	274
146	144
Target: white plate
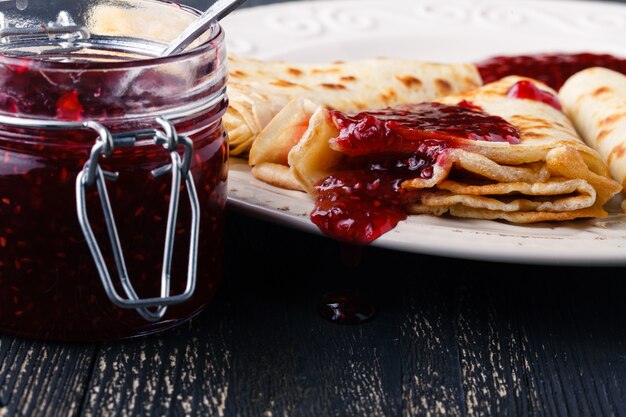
324	31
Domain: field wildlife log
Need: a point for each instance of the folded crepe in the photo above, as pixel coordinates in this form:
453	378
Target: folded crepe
547	174
260	90
595	100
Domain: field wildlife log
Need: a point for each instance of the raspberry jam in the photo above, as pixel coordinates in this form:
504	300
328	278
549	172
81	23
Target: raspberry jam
360	203
50	287
527	90
553	69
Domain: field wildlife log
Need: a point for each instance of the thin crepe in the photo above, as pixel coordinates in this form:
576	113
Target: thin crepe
550	175
595	100
259	90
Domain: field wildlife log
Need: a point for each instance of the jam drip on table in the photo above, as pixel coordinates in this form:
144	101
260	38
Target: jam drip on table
347	307
387	147
552	69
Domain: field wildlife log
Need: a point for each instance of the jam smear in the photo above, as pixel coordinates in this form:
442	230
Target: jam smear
528	90
347	307
553	69
387	147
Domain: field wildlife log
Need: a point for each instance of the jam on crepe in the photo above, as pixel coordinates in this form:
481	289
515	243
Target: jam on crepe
528	90
387	147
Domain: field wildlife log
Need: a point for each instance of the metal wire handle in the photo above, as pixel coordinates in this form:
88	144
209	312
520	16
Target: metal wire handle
92	174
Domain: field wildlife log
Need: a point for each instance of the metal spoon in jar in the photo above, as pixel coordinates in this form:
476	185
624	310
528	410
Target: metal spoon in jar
216	12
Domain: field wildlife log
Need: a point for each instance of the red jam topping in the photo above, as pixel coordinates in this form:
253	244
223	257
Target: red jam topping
359	206
400	130
469	105
528	90
387	147
552	69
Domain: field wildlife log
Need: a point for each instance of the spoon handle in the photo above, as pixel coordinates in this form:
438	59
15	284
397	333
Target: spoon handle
216	12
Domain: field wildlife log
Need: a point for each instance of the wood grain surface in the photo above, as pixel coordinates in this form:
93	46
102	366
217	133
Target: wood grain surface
451	338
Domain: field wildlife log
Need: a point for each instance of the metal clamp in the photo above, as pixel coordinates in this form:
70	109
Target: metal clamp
180	170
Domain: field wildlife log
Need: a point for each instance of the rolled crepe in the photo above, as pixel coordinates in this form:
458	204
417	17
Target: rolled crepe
551	174
259	90
595	100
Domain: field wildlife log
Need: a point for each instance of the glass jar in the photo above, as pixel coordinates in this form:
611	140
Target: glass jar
113	169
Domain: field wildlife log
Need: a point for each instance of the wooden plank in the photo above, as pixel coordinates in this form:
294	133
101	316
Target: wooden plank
431	379
278	364
494	366
542	342
452	338
289	360
179	372
43	379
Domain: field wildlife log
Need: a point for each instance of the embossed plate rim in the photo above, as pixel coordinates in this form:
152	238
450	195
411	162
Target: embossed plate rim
590	243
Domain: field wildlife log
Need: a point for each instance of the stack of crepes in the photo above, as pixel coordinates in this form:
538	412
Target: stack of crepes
595	100
551	174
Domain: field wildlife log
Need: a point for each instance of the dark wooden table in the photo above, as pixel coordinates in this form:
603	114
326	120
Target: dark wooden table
451	338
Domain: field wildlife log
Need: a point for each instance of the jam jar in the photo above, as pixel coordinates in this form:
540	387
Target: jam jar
113	168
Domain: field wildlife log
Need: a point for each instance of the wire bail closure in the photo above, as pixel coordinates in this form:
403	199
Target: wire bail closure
151	309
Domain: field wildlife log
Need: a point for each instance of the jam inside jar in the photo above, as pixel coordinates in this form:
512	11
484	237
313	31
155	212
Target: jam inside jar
89	74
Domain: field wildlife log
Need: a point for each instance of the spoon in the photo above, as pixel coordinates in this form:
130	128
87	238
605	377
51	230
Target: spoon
216	12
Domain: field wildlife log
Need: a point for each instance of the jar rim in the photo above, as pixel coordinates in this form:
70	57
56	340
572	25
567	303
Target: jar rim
211	43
